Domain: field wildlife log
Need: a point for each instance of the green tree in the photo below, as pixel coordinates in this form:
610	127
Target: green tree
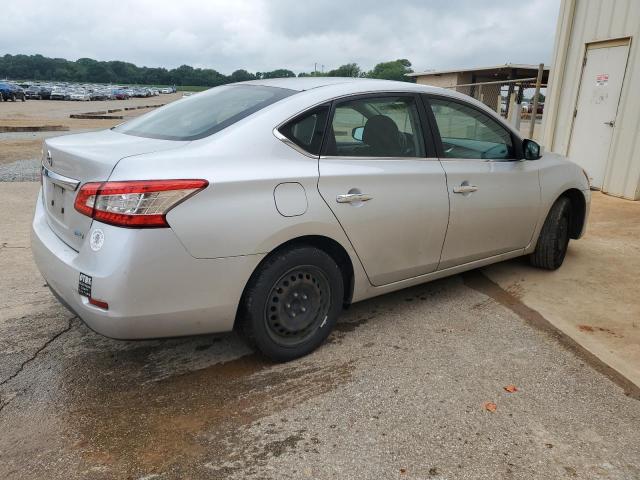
241	76
279	73
395	70
37	67
312	74
348	70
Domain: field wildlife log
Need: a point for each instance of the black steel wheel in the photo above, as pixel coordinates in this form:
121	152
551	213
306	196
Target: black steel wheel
298	304
292	302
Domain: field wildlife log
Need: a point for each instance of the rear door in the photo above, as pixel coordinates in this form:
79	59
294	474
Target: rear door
494	197
383	183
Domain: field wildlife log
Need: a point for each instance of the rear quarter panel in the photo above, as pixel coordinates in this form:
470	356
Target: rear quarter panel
236	214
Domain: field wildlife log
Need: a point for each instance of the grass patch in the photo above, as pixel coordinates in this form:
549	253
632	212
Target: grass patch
191	88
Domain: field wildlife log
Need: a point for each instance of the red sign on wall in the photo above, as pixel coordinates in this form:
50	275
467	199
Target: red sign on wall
602	79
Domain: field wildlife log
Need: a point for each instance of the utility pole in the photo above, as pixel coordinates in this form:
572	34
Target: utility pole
534	111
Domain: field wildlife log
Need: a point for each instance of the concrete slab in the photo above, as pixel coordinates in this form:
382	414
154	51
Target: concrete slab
594	296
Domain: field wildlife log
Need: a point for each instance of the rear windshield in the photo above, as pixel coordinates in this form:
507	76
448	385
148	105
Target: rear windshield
204	114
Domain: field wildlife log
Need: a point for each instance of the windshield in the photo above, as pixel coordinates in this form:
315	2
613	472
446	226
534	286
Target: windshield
204	114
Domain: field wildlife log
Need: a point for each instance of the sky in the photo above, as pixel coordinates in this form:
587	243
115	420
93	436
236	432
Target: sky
263	35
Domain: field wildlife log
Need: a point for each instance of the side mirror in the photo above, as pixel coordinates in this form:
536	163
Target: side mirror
531	149
357	133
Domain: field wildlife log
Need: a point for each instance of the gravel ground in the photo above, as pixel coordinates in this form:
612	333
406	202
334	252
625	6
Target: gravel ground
17	147
397	392
27	169
21	171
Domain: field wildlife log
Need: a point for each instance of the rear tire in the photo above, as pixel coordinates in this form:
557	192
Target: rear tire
291	303
554	237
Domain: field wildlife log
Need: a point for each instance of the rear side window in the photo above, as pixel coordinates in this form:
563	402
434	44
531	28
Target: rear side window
307	130
376	127
204	114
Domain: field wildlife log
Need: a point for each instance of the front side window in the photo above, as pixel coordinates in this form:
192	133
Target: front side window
204	114
376	127
306	130
468	133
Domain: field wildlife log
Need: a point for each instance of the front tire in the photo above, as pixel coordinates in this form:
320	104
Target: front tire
292	302
554	237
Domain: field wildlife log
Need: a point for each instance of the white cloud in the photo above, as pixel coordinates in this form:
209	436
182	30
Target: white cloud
262	35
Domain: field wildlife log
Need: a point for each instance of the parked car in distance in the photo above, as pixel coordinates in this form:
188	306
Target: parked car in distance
38	90
98	95
42	91
11	91
34	92
267	206
45	92
79	95
60	93
120	94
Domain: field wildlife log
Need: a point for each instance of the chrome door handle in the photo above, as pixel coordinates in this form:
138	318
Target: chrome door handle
353	197
465	189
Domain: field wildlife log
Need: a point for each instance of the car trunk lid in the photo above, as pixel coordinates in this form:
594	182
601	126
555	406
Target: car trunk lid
73	160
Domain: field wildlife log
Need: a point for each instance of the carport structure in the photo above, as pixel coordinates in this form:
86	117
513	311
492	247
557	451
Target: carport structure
466	81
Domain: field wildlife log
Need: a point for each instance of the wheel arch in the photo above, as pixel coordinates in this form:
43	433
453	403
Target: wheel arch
578	211
328	245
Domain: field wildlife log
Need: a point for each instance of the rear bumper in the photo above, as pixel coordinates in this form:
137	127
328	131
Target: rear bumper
154	288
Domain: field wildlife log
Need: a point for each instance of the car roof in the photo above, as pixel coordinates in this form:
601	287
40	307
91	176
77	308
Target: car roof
366	84
325	88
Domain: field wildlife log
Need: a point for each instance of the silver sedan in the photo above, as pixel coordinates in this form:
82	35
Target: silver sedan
267	206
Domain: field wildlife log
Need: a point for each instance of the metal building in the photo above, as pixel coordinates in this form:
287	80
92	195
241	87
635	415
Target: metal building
592	111
465	76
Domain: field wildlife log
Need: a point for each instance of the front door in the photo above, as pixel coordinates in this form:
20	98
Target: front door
494	197
597	106
388	195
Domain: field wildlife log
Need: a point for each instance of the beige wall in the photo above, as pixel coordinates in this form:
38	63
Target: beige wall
445	80
586	21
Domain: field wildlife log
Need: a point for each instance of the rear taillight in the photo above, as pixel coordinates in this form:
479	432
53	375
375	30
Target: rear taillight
141	203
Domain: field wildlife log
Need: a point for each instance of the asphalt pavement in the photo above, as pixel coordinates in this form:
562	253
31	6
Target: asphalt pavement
404	388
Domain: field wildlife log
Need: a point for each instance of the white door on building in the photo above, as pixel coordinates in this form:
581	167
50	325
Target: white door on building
600	88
